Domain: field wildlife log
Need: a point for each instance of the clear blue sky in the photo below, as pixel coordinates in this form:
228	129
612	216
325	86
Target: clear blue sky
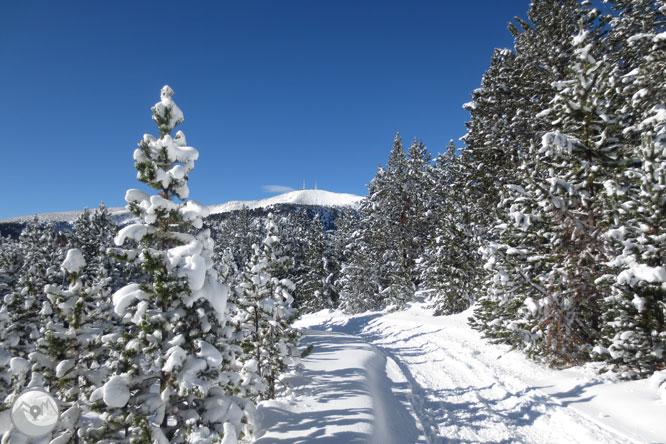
273	92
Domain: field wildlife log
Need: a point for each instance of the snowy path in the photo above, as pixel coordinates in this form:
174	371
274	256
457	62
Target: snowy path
408	377
342	396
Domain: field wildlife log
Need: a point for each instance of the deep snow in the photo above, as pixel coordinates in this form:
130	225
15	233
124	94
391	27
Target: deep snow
409	377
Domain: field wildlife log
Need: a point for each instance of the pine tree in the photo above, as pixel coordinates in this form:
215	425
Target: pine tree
637	55
265	316
505	111
358	282
448	264
238	232
494	141
173	369
11	262
392	231
293	232
632	332
41	250
549	253
68	356
316	285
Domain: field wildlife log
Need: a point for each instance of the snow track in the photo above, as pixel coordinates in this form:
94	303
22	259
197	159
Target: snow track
458	396
432	380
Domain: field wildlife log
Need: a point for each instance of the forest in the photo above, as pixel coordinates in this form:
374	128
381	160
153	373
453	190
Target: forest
549	220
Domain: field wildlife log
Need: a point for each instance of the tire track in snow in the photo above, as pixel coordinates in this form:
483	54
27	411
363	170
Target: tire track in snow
462	398
460	394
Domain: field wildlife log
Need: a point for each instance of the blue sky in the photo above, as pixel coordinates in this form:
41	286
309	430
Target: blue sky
273	92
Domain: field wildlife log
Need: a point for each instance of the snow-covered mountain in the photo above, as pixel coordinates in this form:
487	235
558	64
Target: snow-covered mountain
320	198
117	213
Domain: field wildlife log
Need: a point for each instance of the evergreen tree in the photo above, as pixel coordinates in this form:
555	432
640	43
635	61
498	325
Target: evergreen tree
68	356
391	236
238	232
633	333
637	56
173	372
359	278
493	140
265	316
316	285
41	250
505	112
293	232
549	252
448	263
11	262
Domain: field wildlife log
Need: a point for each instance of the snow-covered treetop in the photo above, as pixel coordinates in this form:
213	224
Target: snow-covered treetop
74	261
165	163
166	113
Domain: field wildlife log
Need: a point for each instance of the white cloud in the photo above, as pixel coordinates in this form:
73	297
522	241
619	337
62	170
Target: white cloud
276	188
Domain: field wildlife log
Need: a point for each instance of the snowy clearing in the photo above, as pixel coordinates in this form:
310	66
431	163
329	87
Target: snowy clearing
408	377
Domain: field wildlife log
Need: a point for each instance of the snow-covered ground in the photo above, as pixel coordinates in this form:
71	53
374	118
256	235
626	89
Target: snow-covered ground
408	377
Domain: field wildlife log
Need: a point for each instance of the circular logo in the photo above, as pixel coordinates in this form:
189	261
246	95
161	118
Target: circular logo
35	413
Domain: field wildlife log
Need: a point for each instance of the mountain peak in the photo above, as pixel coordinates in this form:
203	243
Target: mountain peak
299	197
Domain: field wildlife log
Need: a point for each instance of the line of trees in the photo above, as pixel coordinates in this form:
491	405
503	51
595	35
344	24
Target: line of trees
552	216
143	334
550	221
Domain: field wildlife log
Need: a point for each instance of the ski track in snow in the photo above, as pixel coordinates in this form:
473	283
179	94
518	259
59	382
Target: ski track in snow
456	388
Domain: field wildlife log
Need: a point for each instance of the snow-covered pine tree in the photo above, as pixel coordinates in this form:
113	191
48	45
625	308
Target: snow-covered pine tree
633	335
293	232
316	285
419	223
385	220
238	232
41	249
493	140
264	318
449	263
549	252
93	238
637	57
504	112
502	123
392	231
359	278
173	369
69	355
11	262
93	235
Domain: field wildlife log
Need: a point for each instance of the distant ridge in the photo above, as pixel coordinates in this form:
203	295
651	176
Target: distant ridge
320	198
118	214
